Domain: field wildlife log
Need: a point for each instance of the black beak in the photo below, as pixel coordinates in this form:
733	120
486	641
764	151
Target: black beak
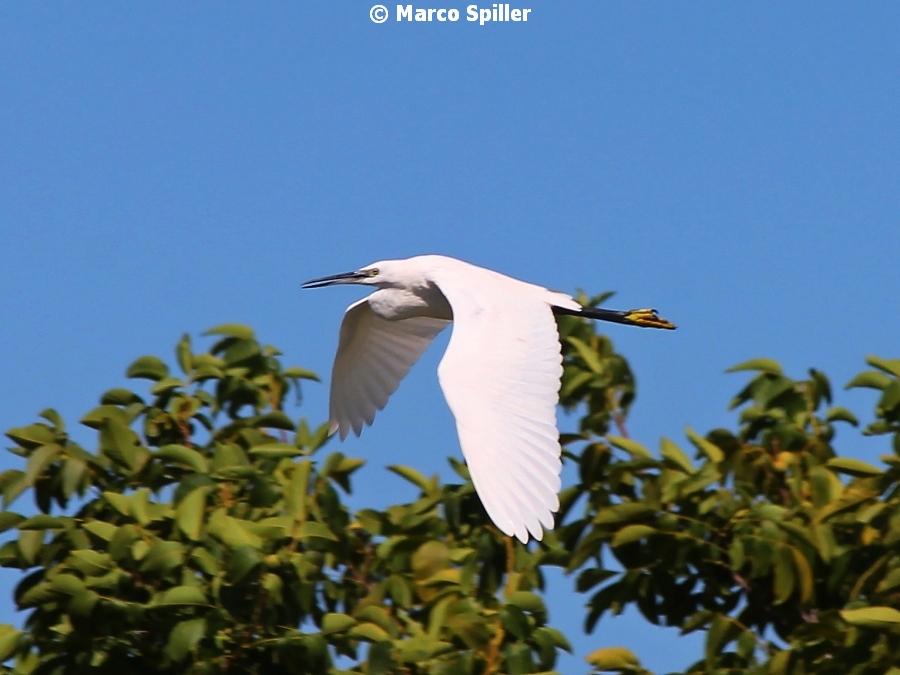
344	278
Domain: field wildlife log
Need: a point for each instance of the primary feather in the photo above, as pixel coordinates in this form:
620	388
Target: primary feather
373	356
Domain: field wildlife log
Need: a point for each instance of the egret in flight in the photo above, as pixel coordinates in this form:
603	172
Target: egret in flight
500	373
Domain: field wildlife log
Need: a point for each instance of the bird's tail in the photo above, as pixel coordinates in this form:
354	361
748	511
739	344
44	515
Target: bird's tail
644	318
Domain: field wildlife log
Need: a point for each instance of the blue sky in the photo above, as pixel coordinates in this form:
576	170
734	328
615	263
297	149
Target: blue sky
166	166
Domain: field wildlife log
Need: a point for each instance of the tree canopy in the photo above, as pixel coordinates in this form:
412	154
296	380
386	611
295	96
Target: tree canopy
206	532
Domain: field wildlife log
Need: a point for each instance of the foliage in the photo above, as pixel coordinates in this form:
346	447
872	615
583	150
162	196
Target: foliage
786	554
206	533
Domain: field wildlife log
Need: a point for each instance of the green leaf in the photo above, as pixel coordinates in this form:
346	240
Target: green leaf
841	414
369	632
780	662
443	577
275	451
96	417
54	418
148	368
184	355
9	519
430	558
348	465
207	372
243	560
620	513
274	420
74	470
556	637
784	579
184	638
762	365
461	470
233	532
530	602
190	512
890	397
613	659
37	595
14	484
9	639
591	577
471	628
235	330
32	436
588	355
163	556
853	467
412	476
182	454
166	384
722	631
240	352
676	456
39	460
573	379
736	554
380	660
90	562
380	617
805	576
68	584
299	374
890	581
871	379
312	529
421	648
120	444
891	366
180	595
119	502
30	543
140	505
875	617
632	533
824	486
633	448
206	561
119	397
437	617
518	659
334	622
273	528
101	529
42	522
711	450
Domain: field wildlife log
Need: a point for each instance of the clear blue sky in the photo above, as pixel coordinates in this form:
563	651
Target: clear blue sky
168	166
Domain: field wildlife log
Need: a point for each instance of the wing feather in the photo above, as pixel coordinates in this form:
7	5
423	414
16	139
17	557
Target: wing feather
501	376
373	356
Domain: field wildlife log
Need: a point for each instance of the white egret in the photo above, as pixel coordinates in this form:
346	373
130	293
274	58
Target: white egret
500	373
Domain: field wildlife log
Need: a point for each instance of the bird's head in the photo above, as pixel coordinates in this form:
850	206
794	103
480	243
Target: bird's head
384	274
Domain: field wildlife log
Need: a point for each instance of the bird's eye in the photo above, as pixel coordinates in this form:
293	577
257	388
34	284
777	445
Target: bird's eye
372	272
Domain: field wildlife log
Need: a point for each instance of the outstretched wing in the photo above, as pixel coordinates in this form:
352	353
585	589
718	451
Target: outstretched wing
373	356
501	376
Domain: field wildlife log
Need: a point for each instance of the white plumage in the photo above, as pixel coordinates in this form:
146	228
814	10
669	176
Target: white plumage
500	373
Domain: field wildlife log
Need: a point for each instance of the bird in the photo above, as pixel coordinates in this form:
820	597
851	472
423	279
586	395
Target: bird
500	373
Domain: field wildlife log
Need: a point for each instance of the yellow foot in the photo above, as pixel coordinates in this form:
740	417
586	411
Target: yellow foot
648	318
